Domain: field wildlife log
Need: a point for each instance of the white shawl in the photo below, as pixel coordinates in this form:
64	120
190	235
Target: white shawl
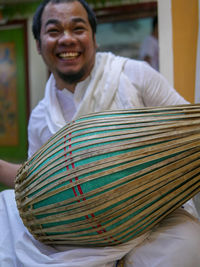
100	94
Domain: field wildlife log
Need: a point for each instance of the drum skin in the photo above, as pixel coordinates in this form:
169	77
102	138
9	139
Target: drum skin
109	177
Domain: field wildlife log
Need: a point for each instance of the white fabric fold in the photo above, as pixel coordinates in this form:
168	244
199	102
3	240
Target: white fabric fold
104	85
99	95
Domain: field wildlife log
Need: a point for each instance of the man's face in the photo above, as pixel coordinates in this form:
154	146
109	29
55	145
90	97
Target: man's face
67	44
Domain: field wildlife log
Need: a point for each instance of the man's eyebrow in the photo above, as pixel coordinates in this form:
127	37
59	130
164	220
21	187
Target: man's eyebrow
55	21
79	20
51	21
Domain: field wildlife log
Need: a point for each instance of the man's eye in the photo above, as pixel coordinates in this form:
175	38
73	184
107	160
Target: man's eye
52	30
79	29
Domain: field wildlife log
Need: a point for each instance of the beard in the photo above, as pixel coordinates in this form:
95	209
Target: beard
72	77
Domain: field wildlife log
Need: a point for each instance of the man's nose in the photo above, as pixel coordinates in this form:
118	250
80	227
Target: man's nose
67	37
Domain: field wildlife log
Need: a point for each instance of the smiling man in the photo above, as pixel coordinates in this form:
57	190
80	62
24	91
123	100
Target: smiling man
83	81
67	43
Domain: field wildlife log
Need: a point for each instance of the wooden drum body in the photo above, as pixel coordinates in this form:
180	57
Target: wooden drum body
111	176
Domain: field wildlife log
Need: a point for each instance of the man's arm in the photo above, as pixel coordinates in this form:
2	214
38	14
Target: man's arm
8	172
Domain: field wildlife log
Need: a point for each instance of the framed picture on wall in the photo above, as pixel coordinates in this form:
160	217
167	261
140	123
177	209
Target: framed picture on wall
122	29
14	96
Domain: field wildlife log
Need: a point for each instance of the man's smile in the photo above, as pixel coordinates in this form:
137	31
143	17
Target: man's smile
68	55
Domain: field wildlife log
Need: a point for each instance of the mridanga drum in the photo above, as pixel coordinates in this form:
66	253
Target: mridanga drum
109	177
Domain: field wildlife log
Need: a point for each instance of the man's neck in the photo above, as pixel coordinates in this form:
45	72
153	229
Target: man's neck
62	85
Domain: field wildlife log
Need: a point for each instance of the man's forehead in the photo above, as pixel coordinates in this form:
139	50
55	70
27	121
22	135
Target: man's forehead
73	11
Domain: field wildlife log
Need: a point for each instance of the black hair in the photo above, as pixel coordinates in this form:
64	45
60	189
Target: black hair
37	23
154	22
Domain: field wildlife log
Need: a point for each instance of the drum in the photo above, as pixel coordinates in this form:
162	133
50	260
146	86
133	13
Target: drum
109	177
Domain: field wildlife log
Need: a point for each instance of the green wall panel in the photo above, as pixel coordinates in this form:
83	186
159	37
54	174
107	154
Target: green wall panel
14	34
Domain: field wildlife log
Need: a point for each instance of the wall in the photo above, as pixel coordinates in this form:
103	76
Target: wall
165	40
185	32
197	87
37	70
178	35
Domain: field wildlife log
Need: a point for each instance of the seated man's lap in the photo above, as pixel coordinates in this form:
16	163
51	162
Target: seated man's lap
174	242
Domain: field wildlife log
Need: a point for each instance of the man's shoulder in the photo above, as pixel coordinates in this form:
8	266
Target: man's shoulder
136	64
113	55
37	120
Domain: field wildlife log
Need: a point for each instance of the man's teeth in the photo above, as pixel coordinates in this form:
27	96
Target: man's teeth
68	55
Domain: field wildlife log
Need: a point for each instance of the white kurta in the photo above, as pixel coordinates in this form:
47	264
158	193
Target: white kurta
173	243
114	83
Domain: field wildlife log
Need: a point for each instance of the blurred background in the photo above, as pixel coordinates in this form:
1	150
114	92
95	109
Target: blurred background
123	28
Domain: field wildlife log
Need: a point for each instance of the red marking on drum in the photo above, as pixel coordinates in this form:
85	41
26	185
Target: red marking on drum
73	188
81	193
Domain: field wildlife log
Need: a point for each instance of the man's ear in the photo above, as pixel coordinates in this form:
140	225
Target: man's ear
38	46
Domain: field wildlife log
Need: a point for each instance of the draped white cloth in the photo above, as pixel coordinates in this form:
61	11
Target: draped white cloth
100	93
